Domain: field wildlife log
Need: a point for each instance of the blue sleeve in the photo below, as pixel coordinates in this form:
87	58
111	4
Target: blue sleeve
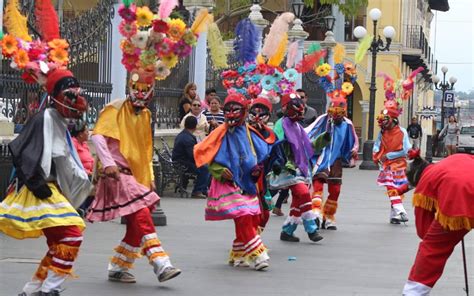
377	143
404	151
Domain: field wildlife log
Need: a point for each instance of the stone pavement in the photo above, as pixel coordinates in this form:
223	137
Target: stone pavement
366	256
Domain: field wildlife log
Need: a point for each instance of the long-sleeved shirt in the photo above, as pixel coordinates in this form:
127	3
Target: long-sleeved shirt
414	131
183	149
85	155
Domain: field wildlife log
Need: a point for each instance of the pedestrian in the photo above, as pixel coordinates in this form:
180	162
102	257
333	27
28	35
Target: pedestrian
435	143
214	115
124	145
328	165
259	114
291	168
189	94
49	184
389	153
450	134
80	136
310	114
183	154
202	127
210	94
234	153
415	133
444	214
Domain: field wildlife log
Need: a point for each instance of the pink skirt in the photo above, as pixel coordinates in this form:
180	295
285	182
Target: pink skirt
227	201
118	198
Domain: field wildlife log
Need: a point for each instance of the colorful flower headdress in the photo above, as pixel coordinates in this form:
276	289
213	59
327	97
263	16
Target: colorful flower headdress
262	74
154	42
398	90
36	58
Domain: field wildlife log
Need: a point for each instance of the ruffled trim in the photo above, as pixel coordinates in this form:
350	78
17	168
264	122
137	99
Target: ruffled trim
261	249
127	253
122	263
42	270
65	252
329	209
448	222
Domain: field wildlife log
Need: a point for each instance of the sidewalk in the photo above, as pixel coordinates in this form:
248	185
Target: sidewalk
366	256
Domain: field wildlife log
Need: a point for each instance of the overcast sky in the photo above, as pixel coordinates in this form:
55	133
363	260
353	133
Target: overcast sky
452	38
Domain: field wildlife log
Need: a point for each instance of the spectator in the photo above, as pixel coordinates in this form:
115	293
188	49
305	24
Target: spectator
210	94
415	133
202	124
450	135
310	113
214	116
435	146
80	135
183	154
185	103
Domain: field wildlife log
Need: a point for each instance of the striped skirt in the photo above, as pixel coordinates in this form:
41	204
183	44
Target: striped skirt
22	215
227	201
388	177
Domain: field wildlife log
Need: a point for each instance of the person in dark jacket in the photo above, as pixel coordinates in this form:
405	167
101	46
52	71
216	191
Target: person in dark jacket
415	133
183	154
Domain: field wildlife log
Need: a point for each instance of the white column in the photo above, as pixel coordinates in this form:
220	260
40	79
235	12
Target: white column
339	24
257	19
119	73
365	112
299	57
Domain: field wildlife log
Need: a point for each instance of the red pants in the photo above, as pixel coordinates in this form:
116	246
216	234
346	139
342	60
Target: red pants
300	200
247	243
63	243
434	250
330	205
139	237
395	195
260	221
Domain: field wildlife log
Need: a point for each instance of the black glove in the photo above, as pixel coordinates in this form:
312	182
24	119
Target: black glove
276	169
42	192
327	137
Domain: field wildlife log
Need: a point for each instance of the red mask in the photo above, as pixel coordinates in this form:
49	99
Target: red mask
259	116
234	114
295	109
384	121
140	94
70	103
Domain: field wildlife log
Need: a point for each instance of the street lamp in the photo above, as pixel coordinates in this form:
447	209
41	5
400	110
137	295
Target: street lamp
443	86
376	46
297	7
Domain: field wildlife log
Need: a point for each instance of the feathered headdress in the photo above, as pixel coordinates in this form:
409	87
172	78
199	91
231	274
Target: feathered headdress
246	40
398	90
38	57
154	42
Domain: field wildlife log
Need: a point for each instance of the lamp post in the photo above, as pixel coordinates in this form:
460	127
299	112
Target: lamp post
443	86
329	43
376	46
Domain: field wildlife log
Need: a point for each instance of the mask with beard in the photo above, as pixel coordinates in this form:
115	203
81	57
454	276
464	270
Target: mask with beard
295	108
234	114
259	116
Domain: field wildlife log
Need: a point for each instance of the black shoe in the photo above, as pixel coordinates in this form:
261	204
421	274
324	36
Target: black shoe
394	221
315	236
318	223
403	217
328	225
288	238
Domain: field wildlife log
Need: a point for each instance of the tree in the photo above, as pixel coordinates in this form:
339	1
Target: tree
347	7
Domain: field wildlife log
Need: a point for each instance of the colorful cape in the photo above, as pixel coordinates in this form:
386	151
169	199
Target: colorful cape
239	150
118	120
447	187
343	141
393	143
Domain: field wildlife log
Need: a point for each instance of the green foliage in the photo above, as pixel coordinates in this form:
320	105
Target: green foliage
348	8
228	35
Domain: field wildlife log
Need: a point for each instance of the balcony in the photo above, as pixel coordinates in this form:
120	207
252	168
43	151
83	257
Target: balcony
417	52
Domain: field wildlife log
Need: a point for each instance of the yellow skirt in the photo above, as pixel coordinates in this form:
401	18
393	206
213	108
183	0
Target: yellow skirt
22	215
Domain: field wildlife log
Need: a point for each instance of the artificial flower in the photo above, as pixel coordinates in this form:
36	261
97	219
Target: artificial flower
323	69
21	58
388	84
229	74
144	16
255	78
339	68
347	88
250	67
130	61
278	75
176	29
254	90
189	37
268	82
59	56
261	69
165	47
285	87
148	57
160	26
9	45
350	69
128	47
128	13
140	39
290	75
58	43
239	82
227	83
155	37
162	71
337	94
231	91
241	70
182	49
170	60
127	29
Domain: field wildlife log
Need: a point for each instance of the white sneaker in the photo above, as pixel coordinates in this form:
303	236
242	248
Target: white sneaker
262	261
329	224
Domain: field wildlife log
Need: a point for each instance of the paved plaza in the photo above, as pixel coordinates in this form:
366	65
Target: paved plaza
366	256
